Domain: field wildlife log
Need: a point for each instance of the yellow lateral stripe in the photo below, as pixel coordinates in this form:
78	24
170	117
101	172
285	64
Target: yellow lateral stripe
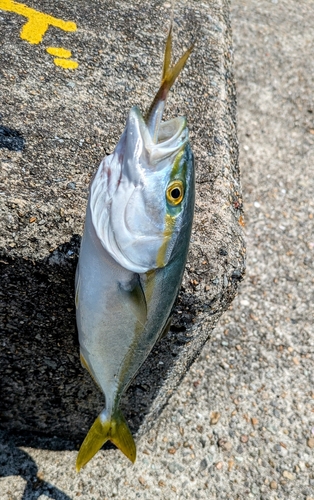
176	164
169	226
38	22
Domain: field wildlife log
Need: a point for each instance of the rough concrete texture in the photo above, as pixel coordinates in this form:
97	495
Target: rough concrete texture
257	371
69	120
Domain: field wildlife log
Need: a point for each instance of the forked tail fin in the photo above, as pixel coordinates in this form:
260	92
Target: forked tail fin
169	75
114	429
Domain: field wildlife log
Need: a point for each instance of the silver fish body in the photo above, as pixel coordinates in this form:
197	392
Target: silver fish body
132	258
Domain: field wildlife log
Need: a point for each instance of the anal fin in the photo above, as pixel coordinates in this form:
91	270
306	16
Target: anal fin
85	365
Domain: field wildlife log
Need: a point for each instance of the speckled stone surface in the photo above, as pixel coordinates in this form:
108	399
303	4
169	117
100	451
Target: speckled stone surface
241	423
68	121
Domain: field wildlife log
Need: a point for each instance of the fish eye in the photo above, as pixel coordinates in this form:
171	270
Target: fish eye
175	193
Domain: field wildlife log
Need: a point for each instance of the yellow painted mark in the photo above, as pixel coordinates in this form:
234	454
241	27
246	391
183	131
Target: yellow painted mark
65	63
38	22
59	52
64	54
37	25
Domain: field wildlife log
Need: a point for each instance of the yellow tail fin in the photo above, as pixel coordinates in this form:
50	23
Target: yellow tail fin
115	430
169	75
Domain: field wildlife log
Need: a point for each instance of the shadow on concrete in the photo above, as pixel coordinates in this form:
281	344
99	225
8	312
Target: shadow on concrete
16	462
44	389
11	139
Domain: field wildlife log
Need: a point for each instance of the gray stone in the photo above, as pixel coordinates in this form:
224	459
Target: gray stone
203	464
173	467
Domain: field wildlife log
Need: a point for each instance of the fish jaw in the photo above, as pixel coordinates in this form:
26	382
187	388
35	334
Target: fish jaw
128	194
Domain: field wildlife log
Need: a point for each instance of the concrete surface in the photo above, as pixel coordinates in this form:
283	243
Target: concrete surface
255	377
69	119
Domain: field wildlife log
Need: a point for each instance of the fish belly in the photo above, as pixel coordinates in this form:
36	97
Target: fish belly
106	324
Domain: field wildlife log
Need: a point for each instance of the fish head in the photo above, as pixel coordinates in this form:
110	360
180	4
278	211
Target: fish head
141	193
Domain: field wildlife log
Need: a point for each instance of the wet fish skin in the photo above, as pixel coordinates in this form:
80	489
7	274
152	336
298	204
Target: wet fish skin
132	258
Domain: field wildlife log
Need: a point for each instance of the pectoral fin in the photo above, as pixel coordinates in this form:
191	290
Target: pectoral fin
133	295
165	329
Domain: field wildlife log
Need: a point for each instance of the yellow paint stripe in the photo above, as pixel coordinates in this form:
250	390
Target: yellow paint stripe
65	63
59	52
38	22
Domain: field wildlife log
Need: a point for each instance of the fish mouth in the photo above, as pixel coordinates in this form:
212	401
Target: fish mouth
173	135
171	130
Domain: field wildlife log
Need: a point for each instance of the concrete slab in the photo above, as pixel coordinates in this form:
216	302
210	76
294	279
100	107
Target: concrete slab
255	376
67	116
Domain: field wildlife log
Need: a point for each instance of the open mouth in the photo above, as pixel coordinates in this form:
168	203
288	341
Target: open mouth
171	130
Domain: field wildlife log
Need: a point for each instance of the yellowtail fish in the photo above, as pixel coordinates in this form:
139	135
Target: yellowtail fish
133	254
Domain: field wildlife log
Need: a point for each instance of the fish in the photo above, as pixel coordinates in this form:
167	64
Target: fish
133	253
